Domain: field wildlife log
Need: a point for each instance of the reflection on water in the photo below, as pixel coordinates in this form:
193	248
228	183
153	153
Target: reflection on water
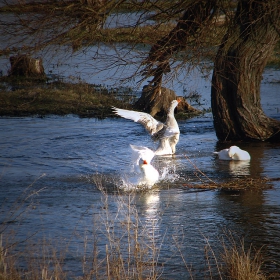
240	168
234	168
151	212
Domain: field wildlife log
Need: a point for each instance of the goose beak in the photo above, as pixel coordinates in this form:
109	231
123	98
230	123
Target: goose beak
178	100
145	162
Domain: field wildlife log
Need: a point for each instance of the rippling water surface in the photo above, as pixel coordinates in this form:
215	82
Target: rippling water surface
55	171
64	158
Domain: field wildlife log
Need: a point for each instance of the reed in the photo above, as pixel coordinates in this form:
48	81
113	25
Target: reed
131	251
241	264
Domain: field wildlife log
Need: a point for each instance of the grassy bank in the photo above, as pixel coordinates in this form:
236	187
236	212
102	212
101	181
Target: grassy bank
61	99
29	97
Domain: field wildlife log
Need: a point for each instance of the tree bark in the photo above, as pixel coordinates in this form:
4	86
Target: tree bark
160	106
237	75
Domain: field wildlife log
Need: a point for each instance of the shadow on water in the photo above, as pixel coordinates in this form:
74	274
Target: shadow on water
252	217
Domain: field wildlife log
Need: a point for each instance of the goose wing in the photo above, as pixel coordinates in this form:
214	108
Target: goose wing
151	124
142	152
165	132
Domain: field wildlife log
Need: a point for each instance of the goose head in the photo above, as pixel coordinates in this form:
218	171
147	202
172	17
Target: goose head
143	162
174	104
233	150
237	154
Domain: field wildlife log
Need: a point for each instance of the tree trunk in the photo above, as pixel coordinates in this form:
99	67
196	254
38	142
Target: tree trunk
159	105
152	104
239	64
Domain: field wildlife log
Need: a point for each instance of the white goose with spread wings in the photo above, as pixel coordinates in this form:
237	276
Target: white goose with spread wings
167	134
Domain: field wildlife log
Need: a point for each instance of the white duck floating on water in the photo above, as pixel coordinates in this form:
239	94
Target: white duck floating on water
233	153
142	158
167	134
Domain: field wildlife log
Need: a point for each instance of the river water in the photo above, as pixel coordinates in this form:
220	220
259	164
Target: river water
62	182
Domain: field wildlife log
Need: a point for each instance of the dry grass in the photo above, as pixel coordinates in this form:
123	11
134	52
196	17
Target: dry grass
240	264
239	184
235	262
131	251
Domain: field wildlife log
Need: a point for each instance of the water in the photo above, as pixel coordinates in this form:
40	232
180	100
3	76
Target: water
54	171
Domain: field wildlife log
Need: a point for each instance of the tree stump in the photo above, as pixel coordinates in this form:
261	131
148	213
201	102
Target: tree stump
157	102
26	66
185	107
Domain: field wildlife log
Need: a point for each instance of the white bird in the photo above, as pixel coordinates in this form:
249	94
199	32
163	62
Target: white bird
167	134
233	153
149	174
141	152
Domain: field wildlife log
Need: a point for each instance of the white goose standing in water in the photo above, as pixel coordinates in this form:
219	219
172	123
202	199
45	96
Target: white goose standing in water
167	134
143	159
233	153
